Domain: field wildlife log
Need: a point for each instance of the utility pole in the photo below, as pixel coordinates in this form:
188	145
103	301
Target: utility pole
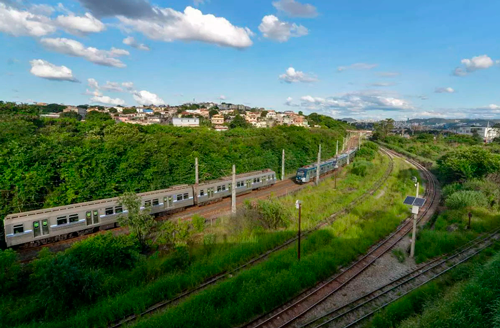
343	144
359	141
298	205
319	165
414	232
233	191
283	165
196	180
337	150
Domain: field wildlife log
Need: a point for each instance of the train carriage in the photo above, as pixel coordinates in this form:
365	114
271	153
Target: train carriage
307	173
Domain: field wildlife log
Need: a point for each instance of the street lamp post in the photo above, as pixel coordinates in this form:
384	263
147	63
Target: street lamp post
298	205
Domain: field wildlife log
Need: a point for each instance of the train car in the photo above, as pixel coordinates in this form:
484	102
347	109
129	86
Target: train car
51	224
307	173
214	190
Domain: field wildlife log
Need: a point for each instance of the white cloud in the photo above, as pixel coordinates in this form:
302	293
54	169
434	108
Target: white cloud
46	70
494	107
274	29
289	101
131	41
80	24
191	25
126	8
292	76
107	100
388	74
93	84
128	85
357	102
295	9
474	64
76	49
357	66
112	86
222	97
198	2
147	98
444	90
381	84
41	9
23	23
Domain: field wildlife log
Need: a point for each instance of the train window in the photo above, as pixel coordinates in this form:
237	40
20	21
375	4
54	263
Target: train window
96	217
219	188
62	220
118	209
18	229
36	228
45	227
223	187
109	211
254	180
156	202
229	186
179	197
88	217
202	192
186	196
147	203
264	178
73	218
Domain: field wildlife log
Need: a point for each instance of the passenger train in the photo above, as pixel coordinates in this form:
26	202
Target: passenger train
307	173
57	223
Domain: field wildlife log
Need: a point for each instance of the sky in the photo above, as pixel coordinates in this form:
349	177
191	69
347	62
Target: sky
361	59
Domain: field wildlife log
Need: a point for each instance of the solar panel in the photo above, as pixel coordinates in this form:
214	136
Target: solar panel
419	202
409	200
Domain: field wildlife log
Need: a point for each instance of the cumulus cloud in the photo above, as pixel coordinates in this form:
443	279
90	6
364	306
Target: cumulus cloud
147	98
274	29
444	90
126	8
295	9
131	41
474	64
360	101
46	70
128	85
80	24
222	97
107	100
289	101
292	76
76	49
198	2
356	66
388	74
18	22
112	86
381	84
191	25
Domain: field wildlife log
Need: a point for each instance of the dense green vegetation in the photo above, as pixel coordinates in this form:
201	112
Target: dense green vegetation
50	162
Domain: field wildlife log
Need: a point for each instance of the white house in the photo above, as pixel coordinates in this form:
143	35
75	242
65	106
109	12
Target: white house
186	122
485	132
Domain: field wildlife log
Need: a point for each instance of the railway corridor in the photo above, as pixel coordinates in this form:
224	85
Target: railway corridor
370	271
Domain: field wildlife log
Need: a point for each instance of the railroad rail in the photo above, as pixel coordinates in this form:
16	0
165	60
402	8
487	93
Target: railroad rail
308	300
163	304
363	307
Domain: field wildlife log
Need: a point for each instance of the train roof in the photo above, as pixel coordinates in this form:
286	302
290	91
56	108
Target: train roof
238	176
90	203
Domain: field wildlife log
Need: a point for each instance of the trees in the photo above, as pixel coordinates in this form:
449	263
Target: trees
213	112
383	128
239	122
468	163
97	116
129	111
140	222
72	115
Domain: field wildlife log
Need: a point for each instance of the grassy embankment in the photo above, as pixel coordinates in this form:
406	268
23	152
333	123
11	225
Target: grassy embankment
163	277
281	277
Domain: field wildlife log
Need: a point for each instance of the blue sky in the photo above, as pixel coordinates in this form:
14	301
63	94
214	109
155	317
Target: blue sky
360	59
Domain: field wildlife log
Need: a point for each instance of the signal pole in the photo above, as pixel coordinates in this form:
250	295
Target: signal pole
319	164
359	146
343	144
196	180
414	231
283	165
233	191
298	205
337	150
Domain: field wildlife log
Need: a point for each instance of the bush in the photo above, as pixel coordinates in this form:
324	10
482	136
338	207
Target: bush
198	223
468	163
450	189
9	270
466	198
105	251
361	168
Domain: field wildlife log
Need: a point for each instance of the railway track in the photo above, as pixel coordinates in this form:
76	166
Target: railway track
288	314
363	307
161	305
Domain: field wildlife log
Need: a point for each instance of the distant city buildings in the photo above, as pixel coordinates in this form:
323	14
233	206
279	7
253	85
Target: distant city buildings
486	133
186	122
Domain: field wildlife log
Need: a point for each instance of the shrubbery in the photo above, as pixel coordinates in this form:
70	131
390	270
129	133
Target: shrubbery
9	270
466	198
361	167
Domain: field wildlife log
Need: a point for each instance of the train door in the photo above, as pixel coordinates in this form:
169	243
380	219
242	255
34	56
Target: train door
95	217
249	183
41	230
168	201
36	229
210	192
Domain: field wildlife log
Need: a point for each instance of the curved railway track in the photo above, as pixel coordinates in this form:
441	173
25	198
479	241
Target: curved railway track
288	314
161	305
363	307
